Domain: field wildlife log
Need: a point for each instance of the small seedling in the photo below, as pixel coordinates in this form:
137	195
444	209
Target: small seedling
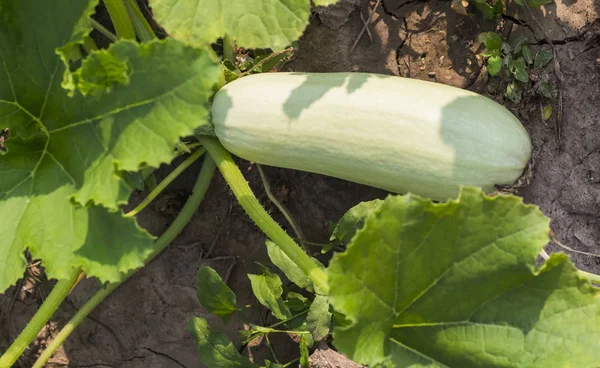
516	59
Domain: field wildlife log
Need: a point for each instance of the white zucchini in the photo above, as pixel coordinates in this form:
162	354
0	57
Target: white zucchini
398	134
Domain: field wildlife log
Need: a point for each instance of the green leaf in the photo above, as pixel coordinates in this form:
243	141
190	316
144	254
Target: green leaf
268	290
542	58
498	8
289	267
527	55
319	318
517	43
304	363
546	90
231	72
215	349
518	68
272	62
514	92
494	65
296	303
61	186
491	40
487	11
455	284
546	112
270	364
265	24
353	220
214	295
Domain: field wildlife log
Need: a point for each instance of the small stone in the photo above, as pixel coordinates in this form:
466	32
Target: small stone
431	74
422	67
571	54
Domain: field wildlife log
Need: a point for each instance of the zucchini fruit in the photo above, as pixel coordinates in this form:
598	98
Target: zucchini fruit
398	134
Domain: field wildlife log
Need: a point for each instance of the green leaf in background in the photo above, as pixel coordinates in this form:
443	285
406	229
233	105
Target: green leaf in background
514	92
518	68
60	190
489	12
296	303
214	295
230	71
270	364
527	55
304	363
319	318
517	44
290	268
353	220
272	62
546	112
494	65
542	58
252	24
455	284
268	290
491	40
546	90
214	348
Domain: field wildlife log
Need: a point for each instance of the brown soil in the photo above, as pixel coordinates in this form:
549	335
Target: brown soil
144	323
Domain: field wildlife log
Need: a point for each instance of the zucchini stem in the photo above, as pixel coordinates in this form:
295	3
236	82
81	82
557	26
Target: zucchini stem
166	181
259	215
60	291
140	24
120	18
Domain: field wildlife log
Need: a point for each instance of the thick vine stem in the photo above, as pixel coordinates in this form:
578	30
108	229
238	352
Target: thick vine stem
140	24
182	219
166	181
59	292
259	215
120	18
228	49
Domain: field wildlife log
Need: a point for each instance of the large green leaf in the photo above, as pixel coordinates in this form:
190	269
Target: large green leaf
60	187
251	23
455	285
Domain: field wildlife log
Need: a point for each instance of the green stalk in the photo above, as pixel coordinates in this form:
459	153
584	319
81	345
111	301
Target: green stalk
140	24
120	18
259	215
228	49
595	279
166	181
182	219
103	30
39	320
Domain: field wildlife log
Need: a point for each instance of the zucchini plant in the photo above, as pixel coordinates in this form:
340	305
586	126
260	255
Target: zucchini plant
419	283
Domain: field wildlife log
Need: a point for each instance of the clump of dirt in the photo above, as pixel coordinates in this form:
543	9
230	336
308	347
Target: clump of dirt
144	323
